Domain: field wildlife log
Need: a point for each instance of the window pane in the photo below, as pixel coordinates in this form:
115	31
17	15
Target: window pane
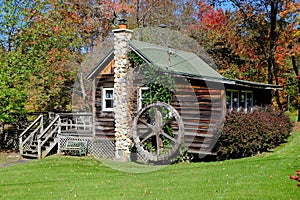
242	100
109	103
143	91
249	100
228	99
142	97
235	99
109	94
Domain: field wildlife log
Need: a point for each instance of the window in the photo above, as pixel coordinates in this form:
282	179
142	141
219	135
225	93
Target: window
247	102
107	99
232	99
141	97
239	100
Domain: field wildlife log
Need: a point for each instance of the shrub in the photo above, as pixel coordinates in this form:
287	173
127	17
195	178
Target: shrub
247	134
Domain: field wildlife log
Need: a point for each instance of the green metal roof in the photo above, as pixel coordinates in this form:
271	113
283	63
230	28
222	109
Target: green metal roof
176	60
179	62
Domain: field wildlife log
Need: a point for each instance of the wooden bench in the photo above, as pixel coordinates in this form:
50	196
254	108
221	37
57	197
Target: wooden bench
75	147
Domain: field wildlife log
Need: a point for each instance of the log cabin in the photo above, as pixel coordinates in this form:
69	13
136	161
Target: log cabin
200	98
150	101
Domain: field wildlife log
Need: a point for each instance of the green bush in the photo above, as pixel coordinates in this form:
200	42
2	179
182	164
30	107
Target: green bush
247	134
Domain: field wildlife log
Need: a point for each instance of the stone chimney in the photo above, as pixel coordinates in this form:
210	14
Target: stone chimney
123	73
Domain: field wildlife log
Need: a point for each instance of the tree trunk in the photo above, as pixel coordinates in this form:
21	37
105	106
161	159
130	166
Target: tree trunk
1	133
298	84
1	128
277	95
271	59
273	37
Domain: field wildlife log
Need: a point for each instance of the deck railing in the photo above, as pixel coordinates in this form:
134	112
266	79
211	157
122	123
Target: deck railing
67	123
27	136
51	131
76	123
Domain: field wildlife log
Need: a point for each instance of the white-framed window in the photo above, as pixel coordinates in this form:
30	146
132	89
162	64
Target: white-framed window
141	97
239	100
107	99
232	99
247	100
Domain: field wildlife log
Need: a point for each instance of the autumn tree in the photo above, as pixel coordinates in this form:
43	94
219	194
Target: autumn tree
263	19
42	46
289	49
213	31
175	14
247	43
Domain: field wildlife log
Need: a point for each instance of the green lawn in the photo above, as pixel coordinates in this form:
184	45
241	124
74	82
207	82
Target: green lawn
265	176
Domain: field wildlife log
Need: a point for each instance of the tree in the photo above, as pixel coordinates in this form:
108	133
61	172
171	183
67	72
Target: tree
42	45
14	66
56	37
252	37
270	28
289	47
175	14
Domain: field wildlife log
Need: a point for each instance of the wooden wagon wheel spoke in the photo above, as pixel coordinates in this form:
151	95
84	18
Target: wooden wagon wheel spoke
143	135
157	145
167	122
147	137
168	136
158	119
158	142
147	124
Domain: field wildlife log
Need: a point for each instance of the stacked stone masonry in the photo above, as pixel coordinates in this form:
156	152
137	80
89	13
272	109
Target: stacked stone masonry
122	87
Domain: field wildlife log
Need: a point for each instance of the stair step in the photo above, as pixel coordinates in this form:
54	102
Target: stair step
27	155
32	151
33	147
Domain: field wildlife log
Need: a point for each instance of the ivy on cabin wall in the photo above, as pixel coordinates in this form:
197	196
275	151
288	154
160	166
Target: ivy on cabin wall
159	82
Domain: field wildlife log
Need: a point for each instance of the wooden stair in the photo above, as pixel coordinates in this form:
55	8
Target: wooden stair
49	148
40	139
37	141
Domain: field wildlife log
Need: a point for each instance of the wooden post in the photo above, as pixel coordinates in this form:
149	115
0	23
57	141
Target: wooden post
42	124
58	134
94	107
39	139
21	145
39	148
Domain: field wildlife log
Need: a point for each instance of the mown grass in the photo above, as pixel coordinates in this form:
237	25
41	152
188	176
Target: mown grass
265	176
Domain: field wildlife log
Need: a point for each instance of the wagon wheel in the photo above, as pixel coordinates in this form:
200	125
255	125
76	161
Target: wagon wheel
157	131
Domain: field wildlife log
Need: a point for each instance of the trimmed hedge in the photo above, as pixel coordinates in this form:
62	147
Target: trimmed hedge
247	134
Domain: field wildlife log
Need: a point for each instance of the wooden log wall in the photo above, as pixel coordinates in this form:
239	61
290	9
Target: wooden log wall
104	120
202	109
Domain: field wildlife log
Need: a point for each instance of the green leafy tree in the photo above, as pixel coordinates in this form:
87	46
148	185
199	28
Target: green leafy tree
42	44
14	66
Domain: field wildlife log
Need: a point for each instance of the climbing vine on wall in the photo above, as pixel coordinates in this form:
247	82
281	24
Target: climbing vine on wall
160	85
159	82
